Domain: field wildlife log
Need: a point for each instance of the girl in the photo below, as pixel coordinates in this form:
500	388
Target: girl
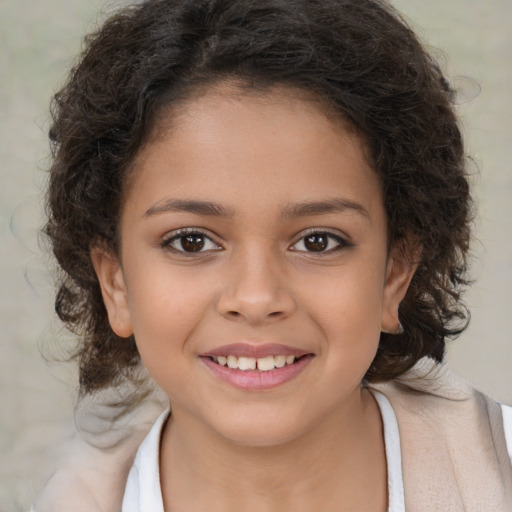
265	205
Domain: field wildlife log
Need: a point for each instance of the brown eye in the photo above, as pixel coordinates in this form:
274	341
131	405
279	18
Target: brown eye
321	242
317	242
188	241
193	242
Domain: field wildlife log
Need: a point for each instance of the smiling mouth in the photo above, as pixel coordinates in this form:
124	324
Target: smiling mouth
260	364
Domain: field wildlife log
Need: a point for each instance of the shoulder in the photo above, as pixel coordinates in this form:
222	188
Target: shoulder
110	427
66	491
433	399
432	390
453	439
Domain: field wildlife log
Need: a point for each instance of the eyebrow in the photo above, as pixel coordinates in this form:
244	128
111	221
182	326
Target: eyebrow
190	206
302	209
331	205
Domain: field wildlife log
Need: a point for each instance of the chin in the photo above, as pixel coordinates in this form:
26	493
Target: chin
260	432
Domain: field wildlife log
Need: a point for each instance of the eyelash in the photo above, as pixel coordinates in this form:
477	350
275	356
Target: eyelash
180	235
341	242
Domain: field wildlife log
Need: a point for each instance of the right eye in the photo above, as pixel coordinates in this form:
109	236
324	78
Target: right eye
190	241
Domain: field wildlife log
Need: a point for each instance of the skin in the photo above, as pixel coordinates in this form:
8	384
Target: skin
314	442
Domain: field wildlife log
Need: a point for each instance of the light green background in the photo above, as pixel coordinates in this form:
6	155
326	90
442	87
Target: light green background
38	40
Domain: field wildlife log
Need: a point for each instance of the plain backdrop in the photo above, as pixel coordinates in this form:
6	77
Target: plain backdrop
38	40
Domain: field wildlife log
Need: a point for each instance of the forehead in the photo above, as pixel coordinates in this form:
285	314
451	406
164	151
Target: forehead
230	145
229	97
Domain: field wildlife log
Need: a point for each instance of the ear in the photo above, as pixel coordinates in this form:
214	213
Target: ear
113	288
402	263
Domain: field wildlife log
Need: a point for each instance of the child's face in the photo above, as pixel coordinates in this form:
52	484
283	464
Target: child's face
255	227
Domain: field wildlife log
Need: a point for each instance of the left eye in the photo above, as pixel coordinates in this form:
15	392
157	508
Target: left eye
190	242
319	241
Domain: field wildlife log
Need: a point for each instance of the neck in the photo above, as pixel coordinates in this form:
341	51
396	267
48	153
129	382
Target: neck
338	464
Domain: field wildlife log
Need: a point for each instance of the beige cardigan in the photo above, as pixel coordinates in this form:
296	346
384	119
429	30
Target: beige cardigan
454	453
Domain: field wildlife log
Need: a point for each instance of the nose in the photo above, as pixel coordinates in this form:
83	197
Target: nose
256	290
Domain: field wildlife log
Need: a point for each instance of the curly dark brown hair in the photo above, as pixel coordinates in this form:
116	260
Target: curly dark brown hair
358	56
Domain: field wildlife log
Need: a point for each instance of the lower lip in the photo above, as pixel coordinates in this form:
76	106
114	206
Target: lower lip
253	380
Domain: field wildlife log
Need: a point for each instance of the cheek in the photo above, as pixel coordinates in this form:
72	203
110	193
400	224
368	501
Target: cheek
165	308
349	295
165	317
347	306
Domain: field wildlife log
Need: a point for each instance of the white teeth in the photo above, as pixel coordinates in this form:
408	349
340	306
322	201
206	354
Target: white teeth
232	361
280	361
264	364
246	363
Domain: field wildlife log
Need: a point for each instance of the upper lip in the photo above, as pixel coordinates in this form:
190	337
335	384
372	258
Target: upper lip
256	351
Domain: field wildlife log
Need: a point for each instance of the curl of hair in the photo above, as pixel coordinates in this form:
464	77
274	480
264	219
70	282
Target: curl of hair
358	56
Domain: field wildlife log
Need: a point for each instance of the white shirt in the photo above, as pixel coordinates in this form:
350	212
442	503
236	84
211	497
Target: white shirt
143	492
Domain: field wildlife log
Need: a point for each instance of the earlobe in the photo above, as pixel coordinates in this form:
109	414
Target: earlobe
402	264
113	289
